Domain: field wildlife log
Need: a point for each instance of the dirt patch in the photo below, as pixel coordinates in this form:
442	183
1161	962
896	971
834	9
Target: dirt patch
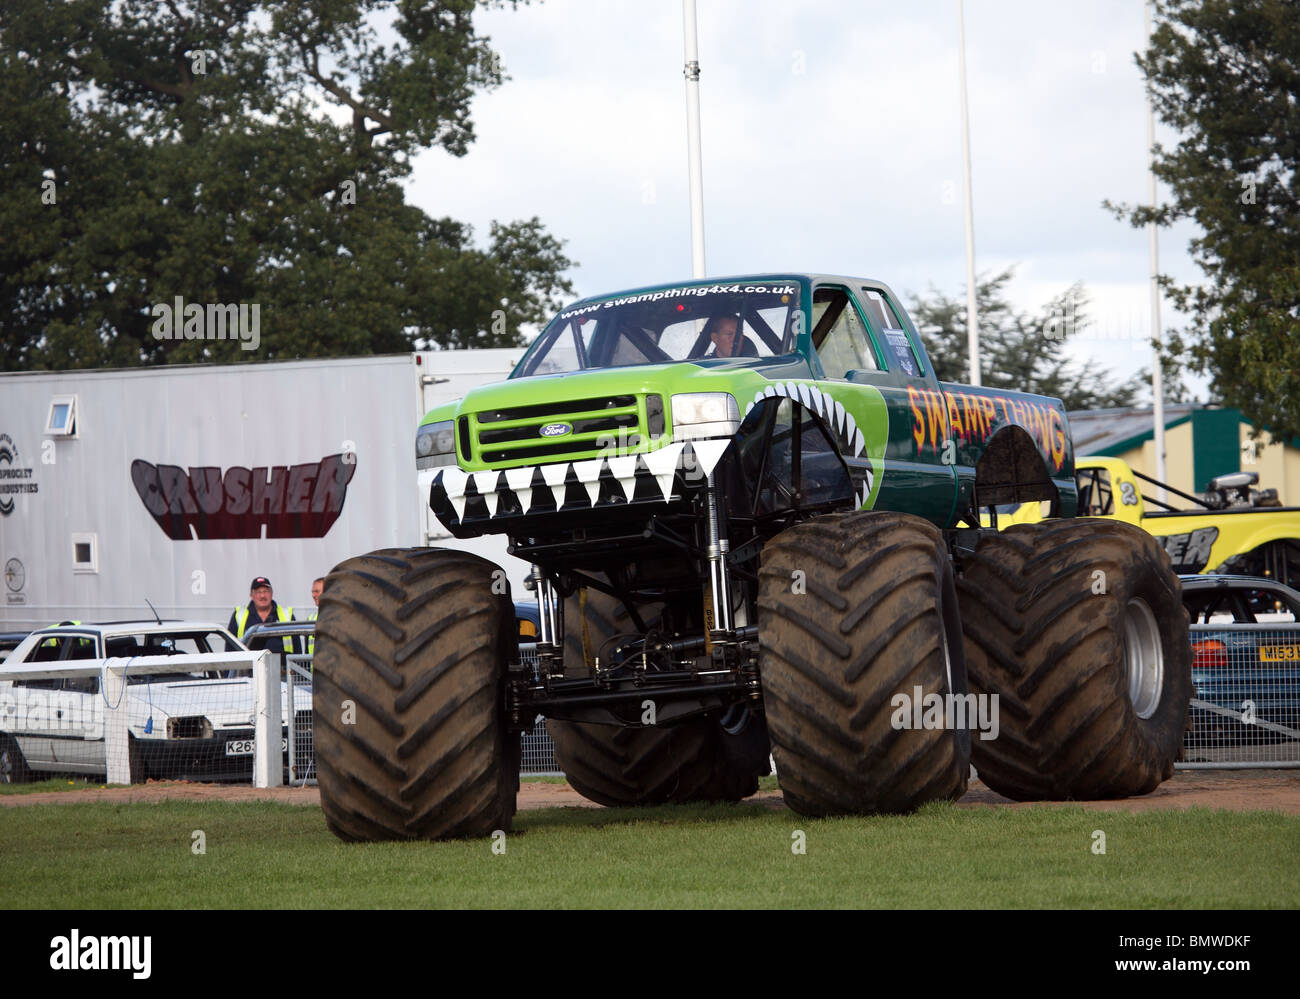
1237	791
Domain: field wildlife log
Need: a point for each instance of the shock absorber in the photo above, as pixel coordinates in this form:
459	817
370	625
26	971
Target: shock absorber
550	611
719	571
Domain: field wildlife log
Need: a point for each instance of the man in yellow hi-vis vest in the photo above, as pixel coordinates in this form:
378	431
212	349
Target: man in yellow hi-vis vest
261	609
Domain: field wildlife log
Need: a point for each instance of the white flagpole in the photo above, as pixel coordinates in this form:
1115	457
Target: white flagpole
1157	375
692	72
972	318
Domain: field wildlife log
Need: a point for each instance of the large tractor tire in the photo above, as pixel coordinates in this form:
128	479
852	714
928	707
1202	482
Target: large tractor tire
1078	627
408	702
707	759
855	611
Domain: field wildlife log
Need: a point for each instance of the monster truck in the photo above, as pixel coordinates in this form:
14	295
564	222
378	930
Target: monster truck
753	518
1232	528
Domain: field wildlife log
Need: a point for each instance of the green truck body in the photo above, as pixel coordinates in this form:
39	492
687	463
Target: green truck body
910	442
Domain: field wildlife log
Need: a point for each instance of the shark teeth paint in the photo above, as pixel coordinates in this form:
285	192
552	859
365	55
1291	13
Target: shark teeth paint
661	464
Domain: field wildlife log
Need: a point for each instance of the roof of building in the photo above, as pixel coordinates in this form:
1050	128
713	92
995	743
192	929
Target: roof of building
1113	431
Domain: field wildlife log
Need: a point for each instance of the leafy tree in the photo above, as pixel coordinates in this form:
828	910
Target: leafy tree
1225	74
246	152
1018	351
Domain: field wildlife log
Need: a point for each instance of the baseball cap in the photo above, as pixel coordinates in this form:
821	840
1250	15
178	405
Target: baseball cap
260	581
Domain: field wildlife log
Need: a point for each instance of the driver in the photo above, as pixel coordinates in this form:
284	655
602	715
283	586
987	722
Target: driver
728	341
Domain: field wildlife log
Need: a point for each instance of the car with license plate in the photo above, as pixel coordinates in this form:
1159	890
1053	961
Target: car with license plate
1246	660
188	717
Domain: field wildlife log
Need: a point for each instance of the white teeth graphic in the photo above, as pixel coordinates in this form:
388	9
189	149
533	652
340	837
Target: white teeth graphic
824	405
662	465
486	484
554	477
454	481
520	481
708	453
588	473
624	470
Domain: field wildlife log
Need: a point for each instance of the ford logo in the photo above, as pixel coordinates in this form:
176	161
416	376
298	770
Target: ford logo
555	430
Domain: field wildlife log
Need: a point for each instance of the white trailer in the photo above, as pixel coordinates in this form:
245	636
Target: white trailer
178	485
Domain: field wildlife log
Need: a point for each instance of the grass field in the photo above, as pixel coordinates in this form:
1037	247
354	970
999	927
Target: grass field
281	856
53	784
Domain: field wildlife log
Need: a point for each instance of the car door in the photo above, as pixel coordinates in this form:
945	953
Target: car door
77	730
860	338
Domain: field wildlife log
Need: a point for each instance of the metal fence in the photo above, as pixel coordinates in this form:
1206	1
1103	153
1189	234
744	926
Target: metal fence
537	758
295	673
1246	705
1245	710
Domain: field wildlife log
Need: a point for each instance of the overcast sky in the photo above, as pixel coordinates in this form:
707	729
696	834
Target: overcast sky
831	142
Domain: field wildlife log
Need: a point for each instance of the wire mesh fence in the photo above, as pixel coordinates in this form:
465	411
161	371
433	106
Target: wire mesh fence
1246	705
537	756
132	718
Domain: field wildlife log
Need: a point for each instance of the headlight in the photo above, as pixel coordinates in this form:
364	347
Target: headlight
705	414
435	444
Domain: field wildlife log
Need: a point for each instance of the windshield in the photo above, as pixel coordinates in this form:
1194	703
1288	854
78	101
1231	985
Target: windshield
675	324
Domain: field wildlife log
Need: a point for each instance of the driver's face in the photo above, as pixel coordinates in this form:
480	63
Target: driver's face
724	338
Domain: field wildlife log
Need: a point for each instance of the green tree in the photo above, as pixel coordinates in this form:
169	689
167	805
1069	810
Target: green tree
1018	351
246	151
1225	74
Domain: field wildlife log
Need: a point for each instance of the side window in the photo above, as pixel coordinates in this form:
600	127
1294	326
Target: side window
53	650
838	334
882	315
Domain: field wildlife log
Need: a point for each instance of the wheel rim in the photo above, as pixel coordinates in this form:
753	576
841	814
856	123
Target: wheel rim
1144	657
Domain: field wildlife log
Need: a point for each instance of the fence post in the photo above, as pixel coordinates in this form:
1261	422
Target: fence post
117	735
268	765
